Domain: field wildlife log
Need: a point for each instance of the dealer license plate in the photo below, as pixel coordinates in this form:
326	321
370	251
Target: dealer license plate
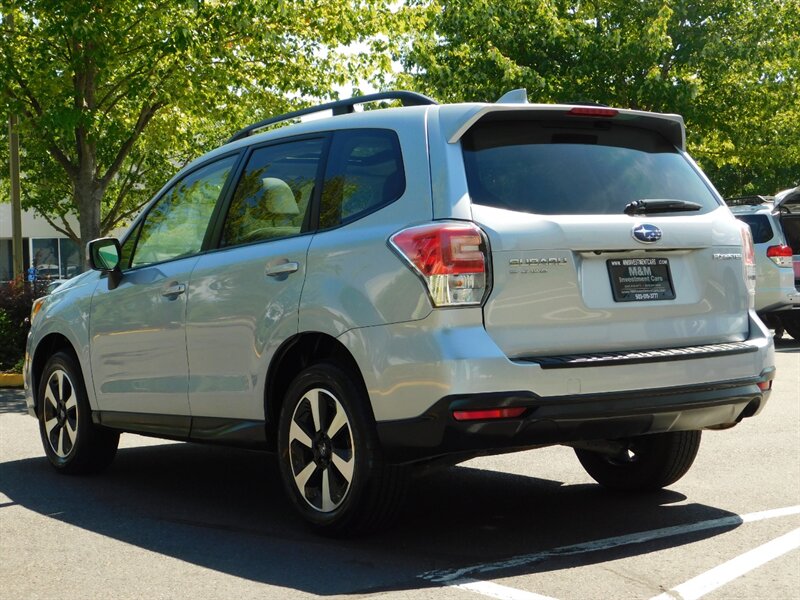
640	279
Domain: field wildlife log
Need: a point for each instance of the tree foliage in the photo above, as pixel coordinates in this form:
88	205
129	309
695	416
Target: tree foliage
114	95
730	67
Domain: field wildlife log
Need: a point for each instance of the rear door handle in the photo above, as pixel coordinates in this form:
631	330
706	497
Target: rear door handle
174	290
282	269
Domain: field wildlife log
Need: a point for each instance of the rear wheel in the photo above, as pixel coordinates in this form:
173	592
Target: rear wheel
791	323
648	462
329	455
72	443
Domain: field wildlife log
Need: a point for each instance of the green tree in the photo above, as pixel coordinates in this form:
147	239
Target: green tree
114	95
730	67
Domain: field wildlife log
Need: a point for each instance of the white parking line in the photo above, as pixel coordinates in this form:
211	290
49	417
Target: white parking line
447	576
725	573
494	590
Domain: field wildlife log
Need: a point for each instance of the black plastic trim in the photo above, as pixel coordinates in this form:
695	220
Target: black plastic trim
247	433
338	107
564	419
571	361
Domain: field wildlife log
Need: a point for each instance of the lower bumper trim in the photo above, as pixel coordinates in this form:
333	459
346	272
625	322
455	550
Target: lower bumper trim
563	419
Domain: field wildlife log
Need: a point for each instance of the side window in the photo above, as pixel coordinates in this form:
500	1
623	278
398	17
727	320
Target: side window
364	172
759	226
273	196
176	225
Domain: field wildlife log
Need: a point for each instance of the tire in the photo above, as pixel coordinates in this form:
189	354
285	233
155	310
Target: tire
330	459
73	444
649	462
791	323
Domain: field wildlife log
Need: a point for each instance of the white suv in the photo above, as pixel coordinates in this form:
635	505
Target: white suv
415	285
775	226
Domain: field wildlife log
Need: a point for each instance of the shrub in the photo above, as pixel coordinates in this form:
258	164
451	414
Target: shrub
16	299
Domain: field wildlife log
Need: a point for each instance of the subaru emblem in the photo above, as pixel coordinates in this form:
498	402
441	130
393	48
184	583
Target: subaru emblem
646	234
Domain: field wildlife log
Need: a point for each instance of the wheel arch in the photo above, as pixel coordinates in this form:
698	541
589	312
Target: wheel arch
47	347
294	355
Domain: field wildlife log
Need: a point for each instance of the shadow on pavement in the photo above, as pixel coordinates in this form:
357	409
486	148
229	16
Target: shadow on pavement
787	345
12	400
224	509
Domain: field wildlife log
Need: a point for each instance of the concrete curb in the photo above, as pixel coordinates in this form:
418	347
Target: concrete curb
10	380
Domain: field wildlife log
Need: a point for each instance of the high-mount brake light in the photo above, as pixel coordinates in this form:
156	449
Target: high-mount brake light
450	257
781	255
592	111
748	261
488	414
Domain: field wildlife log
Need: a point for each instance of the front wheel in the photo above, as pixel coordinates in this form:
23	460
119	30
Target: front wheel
644	463
330	459
72	443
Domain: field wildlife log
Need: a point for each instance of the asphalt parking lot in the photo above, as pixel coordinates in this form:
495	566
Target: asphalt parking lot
175	520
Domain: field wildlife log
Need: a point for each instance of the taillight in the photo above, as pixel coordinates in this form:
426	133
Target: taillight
748	260
450	257
780	255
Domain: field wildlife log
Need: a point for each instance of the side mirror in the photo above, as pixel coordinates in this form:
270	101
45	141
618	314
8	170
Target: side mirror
104	255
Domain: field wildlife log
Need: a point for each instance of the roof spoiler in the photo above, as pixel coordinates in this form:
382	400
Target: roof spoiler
669	125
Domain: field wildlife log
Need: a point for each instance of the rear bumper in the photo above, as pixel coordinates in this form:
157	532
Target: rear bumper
565	419
417	373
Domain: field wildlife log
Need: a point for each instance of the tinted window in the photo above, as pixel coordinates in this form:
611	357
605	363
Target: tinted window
365	172
759	225
176	225
564	168
791	231
273	196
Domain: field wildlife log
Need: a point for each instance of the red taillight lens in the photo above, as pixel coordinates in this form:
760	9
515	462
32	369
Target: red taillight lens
593	111
488	414
450	257
780	255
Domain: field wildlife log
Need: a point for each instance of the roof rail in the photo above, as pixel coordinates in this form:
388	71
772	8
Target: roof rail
339	107
747	200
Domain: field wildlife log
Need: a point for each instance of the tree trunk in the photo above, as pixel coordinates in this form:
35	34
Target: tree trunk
87	195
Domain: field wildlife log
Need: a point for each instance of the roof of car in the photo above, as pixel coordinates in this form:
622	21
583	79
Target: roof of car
456	119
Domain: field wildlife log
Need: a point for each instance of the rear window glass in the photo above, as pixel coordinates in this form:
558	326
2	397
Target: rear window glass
587	167
759	226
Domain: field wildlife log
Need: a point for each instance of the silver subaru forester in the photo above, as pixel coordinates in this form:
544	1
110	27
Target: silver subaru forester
414	285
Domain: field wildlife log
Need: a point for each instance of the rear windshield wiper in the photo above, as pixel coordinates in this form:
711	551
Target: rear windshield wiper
650	206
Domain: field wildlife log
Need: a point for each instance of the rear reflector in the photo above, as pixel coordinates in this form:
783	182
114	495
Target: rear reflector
765	386
780	255
593	111
488	414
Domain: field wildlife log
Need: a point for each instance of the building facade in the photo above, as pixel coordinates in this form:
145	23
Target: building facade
53	254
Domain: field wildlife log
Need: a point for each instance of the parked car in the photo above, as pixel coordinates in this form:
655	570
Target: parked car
775	225
53	285
411	286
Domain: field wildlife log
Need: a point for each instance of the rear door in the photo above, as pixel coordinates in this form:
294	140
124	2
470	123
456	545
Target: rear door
572	271
244	297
